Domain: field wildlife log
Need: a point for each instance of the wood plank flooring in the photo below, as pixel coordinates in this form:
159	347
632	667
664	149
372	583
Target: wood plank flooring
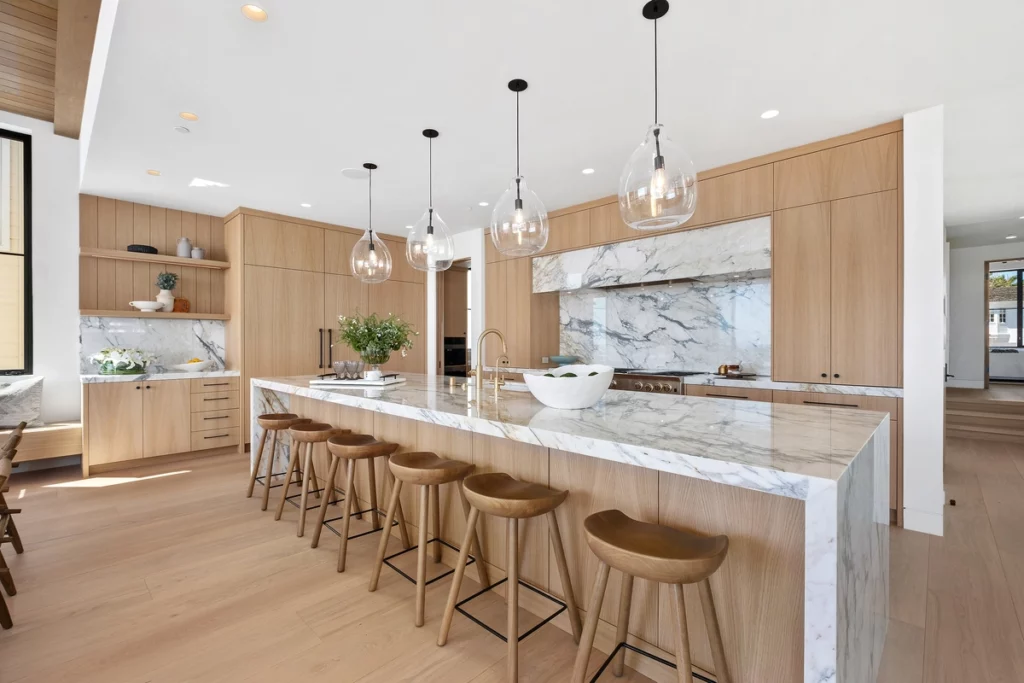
168	574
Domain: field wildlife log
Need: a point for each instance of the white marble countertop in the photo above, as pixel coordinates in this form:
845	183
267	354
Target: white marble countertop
776	448
104	379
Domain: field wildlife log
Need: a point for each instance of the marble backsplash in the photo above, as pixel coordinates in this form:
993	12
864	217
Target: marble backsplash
171	341
680	326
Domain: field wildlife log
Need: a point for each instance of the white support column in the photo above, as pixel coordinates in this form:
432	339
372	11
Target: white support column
924	310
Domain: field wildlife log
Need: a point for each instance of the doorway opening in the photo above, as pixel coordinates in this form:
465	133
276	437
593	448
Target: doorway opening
455	313
1004	323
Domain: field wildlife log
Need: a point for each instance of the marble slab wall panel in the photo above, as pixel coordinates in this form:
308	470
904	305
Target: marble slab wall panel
171	341
741	248
267	401
681	326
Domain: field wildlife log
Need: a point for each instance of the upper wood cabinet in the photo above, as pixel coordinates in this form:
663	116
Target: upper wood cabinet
529	321
337	250
166	417
495	308
858	168
518	296
491	253
343	295
732	196
401	270
407	301
606	225
568	231
270	242
284	316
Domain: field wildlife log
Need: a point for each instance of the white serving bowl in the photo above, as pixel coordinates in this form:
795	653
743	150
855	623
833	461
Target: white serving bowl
146	306
193	367
571	393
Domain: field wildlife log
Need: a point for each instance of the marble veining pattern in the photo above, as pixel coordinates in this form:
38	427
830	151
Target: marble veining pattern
156	376
687	325
263	402
682	255
171	341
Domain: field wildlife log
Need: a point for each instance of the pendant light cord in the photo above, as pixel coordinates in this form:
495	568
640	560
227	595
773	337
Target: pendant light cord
369	175
517	134
430	186
656	71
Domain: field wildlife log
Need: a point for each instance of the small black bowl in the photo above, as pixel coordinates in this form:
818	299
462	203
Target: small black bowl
142	249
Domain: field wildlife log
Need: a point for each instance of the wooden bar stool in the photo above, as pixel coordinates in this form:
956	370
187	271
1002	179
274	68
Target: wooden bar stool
656	553
273	423
305	435
352	448
7	452
500	495
429	472
6	580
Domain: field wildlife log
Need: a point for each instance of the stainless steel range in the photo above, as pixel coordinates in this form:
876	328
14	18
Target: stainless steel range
654	381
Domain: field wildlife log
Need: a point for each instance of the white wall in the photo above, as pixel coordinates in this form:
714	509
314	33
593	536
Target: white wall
469	244
924	308
968	312
54	265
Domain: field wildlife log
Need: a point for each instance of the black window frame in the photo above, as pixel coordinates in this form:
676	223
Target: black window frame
26	141
1020	307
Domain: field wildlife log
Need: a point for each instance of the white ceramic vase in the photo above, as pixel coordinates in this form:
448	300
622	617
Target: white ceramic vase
166	297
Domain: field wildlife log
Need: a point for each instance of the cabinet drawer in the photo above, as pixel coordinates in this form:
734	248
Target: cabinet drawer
214	400
215	438
882	404
205	386
735	393
215	419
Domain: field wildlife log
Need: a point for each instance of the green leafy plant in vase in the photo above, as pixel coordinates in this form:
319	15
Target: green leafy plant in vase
375	338
166	282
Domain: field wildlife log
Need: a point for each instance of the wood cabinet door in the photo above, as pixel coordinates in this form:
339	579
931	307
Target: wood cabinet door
166	417
401	269
801	300
270	242
408	301
569	231
864	290
495	308
606	225
115	422
337	251
343	295
733	196
519	286
284	316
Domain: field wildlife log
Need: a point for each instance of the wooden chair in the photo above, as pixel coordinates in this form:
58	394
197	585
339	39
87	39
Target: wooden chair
6	580
13	439
273	423
7	452
500	495
656	553
304	436
428	471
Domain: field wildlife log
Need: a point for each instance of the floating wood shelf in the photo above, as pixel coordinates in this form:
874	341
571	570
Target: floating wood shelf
158	314
119	255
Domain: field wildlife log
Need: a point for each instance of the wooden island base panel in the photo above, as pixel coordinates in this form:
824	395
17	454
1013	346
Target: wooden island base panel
802	493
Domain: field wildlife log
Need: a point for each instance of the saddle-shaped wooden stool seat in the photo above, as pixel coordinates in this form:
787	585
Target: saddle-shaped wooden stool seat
273	423
305	436
498	494
656	553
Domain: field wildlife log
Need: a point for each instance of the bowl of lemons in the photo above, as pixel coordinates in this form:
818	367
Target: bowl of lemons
193	365
571	387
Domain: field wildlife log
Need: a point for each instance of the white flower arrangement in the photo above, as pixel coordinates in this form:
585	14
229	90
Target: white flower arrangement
117	360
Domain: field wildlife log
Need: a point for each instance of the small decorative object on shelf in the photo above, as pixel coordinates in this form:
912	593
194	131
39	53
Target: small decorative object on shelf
165	282
374	338
184	247
181	305
198	252
114	360
142	249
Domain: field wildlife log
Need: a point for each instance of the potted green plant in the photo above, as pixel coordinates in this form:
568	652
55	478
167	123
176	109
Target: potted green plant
375	338
165	282
115	360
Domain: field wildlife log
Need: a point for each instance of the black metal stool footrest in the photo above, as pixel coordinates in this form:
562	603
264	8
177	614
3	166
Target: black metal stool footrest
637	650
261	478
327	522
409	550
340	493
561	608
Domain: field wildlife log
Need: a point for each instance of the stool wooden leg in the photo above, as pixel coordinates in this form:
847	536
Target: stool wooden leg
307	469
332	470
256	466
707	602
5	616
563	573
684	667
421	555
512	632
6	578
477	548
622	628
292	462
403	530
435	515
269	469
371	469
312	473
350	476
382	548
460	572
590	629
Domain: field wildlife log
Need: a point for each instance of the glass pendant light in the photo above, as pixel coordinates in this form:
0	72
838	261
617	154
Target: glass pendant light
519	222
429	246
371	260
658	186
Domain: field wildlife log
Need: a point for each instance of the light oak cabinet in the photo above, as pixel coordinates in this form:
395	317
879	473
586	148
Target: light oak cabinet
343	295
281	244
835	276
858	168
568	231
606	225
732	196
734	393
166	421
284	322
529	321
112	414
406	301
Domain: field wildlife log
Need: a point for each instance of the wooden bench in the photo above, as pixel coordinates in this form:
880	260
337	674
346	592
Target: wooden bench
50	441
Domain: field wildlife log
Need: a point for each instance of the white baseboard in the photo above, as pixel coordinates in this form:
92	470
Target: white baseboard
965	384
925	522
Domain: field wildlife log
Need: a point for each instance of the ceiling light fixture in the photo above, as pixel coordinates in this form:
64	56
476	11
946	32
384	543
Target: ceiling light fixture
429	246
153	171
199	182
519	222
255	13
1011	237
770	114
588	171
182	129
484	203
304	205
658	186
370	260
188	116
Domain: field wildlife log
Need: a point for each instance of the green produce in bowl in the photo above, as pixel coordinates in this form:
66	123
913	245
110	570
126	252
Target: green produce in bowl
592	374
548	374
570	374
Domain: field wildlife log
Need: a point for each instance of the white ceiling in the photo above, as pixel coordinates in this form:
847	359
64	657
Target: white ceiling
285	105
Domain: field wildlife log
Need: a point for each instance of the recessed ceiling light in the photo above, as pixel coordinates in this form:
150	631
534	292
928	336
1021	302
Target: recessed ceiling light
304	205
188	116
354	173
483	204
182	129
1022	218
588	171
1011	237
153	171
408	227
770	114
254	12
199	182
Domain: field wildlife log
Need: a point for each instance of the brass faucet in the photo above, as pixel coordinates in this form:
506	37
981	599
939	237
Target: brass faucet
478	372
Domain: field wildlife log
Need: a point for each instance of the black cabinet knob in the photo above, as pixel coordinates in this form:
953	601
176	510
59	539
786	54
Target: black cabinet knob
836	375
824	374
137	388
148	387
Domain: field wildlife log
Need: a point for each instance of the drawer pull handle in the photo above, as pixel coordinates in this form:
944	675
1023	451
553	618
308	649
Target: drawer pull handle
217	384
741	398
221	398
219	417
830	405
218	436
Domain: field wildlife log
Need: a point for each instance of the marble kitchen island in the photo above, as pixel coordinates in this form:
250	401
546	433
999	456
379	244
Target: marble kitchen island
801	491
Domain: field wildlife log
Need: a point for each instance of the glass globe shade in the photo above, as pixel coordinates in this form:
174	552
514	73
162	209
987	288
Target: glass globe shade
430	249
519	222
371	266
658	186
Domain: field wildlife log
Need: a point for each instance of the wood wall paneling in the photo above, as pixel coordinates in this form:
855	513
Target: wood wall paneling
76	33
28	58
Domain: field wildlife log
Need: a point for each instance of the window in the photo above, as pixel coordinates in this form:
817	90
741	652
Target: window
15	253
1005	298
997	316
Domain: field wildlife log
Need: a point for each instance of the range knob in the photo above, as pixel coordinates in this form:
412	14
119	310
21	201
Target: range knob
664	388
648	387
638	385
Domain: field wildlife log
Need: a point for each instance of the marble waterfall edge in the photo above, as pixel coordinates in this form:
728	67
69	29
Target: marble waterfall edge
264	402
171	341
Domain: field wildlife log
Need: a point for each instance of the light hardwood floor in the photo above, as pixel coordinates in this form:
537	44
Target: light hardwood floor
169	574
